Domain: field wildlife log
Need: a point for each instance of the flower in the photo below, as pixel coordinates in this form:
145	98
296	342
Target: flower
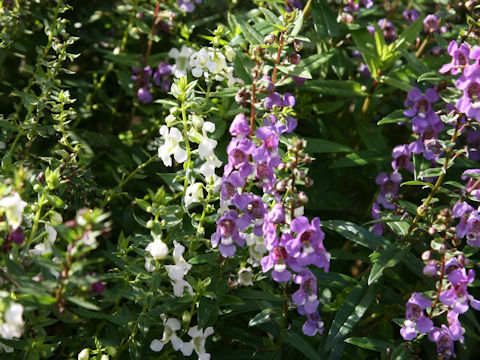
12	325
171	146
469	83
415	317
171	326
227	234
306	295
240	126
459	56
444	340
84	354
388	188
410	15
314	323
182	60
199	337
430	23
389	31
188	5
193	194
178	271
158	249
401	155
13	206
245	276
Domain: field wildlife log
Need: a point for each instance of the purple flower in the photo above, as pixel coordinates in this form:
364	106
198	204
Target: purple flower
469	83
238	151
227	234
415	317
420	104
267	83
389	31
459	56
307	247
362	69
457	296
240	126
294	4
254	212
430	23
473	137
410	15
354	5
469	186
188	5
277	214
377	228
401	155
16	236
431	269
299	81
144	96
161	77
230	184
306	295
455	327
278	259
388	188
444	340
97	287
314	323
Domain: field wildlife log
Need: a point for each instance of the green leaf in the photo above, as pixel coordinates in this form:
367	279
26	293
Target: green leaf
295	70
301	345
333	279
271	17
399	84
203	259
369	343
359	159
408	35
366	45
356	233
388	258
350	313
262	317
252	35
418	183
393	118
320	146
336	87
314	62
431	76
82	302
297	25
433	172
324	19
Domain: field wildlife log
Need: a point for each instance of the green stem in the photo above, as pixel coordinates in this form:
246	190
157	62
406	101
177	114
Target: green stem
187	144
36	220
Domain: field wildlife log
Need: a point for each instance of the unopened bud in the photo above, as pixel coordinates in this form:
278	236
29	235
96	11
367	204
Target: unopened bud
269	39
84	354
294	58
302	198
422	210
282	166
308	182
41	177
298	45
426	255
281	186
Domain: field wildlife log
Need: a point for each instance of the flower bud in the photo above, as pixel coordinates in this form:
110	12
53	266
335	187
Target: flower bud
16	236
282	166
41	177
245	276
36	187
281	186
298	45
426	255
294	58
308	182
197	122
422	210
84	354
431	269
269	39
302	198
277	214
290	165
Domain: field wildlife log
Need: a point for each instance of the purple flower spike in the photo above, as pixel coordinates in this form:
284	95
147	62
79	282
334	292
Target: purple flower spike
444	340
144	96
415	319
388	188
277	214
459	56
469	83
430	23
274	99
314	323
389	31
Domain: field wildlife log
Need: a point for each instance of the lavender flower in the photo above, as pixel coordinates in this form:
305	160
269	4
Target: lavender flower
306	295
188	5
389	31
457	297
377	228
415	317
430	23
444	340
388	188
469	83
161	77
401	155
227	234
459	56
314	323
410	15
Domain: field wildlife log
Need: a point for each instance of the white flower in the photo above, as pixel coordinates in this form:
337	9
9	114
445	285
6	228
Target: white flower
171	146
169	335
12	326
193	194
182	58
84	354
178	271
199	337
207	169
245	276
13	206
158	249
199	61
256	248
